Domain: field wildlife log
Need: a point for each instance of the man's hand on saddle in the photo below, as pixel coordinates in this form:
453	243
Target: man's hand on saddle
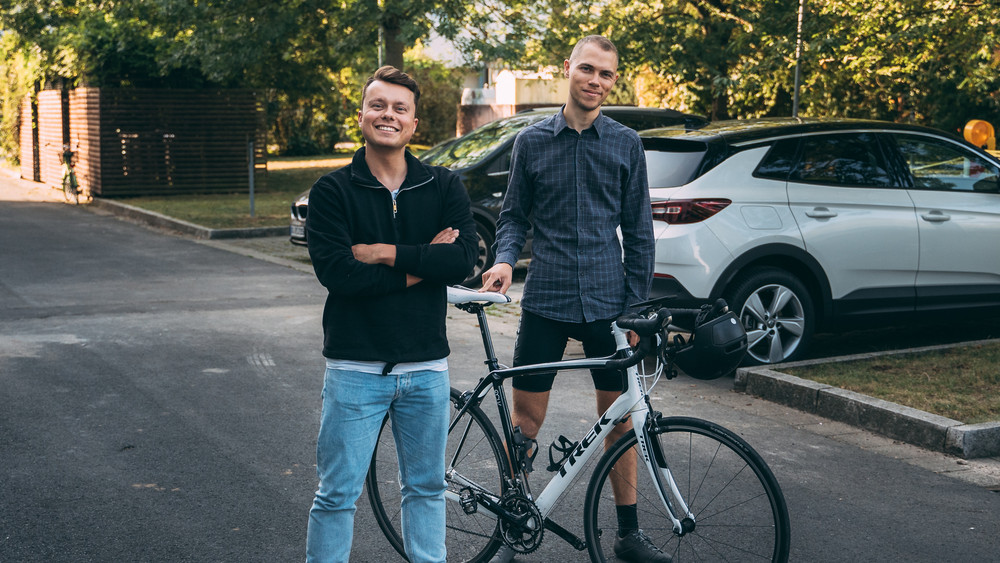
498	278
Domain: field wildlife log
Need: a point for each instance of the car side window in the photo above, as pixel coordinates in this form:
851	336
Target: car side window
777	163
846	159
936	164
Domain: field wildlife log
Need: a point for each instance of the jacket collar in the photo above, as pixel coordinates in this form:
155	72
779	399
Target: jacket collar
416	172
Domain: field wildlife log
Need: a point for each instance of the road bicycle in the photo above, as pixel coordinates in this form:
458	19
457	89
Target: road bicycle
703	493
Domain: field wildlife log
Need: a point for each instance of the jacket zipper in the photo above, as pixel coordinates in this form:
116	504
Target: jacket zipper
395	208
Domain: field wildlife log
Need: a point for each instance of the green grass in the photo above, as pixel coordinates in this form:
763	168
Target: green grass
961	383
286	179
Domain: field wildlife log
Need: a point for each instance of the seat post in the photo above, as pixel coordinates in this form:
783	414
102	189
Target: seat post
484	329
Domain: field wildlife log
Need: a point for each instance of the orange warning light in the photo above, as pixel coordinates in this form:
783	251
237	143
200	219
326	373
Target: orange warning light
981	134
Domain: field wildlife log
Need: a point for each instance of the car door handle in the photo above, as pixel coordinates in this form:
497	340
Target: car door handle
935	216
821	213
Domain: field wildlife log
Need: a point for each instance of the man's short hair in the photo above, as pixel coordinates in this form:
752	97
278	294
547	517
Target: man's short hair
393	75
601	41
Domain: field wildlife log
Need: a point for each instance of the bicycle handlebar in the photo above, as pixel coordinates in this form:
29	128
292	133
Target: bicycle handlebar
646	327
652	323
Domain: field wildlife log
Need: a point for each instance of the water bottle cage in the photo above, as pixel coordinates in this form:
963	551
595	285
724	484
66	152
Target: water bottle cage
565	448
523	444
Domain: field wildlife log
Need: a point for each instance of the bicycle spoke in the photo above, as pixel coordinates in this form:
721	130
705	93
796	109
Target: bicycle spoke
739	511
474	456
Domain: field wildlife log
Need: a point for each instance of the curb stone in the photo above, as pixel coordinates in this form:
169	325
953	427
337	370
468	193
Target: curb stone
154	219
890	419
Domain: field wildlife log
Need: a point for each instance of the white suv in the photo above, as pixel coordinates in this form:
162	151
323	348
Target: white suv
814	224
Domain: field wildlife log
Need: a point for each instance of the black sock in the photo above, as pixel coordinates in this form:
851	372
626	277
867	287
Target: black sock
628	519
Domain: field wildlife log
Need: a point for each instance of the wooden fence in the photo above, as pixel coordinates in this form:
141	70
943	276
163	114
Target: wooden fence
145	141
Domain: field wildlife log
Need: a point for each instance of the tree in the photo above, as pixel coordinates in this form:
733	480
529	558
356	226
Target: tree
729	57
935	62
19	71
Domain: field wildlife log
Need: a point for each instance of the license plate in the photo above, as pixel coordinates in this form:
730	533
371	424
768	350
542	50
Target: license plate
297	231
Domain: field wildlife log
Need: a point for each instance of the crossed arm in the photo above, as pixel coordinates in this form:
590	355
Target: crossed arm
381	253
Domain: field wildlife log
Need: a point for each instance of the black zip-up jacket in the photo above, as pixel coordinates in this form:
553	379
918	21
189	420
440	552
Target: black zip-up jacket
370	314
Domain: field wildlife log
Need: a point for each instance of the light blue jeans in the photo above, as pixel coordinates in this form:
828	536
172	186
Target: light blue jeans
354	404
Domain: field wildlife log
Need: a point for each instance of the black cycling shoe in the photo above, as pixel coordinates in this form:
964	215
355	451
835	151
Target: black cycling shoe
636	547
504	555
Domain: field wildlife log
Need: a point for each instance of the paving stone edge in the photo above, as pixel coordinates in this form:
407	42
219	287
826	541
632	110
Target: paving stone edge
890	419
159	220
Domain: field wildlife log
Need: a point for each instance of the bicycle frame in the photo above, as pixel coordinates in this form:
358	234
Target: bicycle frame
633	402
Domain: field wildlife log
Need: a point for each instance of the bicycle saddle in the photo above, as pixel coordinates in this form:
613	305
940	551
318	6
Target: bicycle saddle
458	294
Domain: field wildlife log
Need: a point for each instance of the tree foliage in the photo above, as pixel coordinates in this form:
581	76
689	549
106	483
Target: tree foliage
928	61
935	62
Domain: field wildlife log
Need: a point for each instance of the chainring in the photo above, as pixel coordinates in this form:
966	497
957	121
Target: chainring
521	538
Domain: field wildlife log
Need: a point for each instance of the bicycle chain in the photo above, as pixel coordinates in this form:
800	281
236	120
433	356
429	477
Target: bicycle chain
521	539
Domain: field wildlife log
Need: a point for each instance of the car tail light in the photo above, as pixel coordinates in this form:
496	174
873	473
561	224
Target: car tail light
684	211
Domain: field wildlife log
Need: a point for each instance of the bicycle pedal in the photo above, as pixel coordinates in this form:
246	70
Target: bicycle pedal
468	501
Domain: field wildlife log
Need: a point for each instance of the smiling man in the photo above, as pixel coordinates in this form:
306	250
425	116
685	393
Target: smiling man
386	235
577	177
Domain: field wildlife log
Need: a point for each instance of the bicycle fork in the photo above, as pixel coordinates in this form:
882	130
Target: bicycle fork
660	473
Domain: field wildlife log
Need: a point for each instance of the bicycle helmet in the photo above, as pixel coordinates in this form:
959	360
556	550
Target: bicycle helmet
715	349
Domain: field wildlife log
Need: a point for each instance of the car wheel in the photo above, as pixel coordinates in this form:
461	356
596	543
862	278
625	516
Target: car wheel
777	312
484	258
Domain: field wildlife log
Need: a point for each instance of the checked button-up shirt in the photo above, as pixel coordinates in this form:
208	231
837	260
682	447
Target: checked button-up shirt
577	189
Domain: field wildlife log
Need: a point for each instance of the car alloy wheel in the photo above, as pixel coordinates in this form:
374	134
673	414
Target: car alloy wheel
777	313
484	256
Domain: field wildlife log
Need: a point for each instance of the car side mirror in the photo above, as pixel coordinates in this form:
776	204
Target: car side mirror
987	185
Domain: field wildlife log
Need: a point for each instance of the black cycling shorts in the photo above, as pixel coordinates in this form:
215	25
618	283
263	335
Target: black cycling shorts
542	340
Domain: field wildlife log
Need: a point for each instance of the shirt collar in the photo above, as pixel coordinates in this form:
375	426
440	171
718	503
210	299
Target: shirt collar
559	123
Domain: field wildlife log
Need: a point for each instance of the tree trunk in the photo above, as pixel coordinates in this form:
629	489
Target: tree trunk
391	42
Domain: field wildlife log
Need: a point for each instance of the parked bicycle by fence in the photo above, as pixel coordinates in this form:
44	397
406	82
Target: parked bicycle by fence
70	185
703	493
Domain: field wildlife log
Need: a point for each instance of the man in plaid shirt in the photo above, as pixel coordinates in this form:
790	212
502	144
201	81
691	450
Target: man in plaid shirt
579	176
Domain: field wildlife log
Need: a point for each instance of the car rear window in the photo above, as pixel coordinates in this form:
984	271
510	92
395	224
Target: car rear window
671	163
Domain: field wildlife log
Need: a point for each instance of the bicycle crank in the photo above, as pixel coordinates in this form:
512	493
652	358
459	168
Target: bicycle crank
522	526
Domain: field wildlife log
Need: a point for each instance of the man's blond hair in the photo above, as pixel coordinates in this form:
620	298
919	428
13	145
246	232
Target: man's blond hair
599	40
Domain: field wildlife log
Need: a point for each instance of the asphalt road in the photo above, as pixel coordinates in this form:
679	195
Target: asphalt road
159	401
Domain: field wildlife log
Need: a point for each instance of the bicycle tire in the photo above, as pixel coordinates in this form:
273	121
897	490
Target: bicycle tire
480	458
737	503
70	191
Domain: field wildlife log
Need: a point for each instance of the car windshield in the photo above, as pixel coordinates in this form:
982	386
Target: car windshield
670	169
478	144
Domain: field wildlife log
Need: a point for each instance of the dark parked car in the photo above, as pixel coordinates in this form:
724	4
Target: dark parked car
482	158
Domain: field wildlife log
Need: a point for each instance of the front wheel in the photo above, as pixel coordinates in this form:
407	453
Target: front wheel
739	512
475	466
71	189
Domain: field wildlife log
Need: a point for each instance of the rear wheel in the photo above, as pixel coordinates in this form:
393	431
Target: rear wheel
475	466
777	313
